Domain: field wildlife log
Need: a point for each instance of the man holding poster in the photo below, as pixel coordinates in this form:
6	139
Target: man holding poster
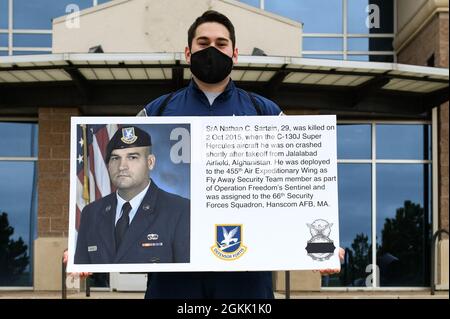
211	53
139	223
243	168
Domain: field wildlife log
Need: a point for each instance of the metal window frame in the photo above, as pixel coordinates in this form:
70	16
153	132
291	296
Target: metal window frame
435	181
349	35
373	161
40	49
17	288
344	28
395	26
10	26
31	31
349	52
18	159
374	214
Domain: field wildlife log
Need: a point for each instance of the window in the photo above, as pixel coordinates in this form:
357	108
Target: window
318	16
18	202
431	61
3	40
254	3
375	16
388	58
404	142
322	44
32	24
354	141
384	204
403	224
39	14
30	52
32	40
355	211
18	140
3	14
358	30
370	44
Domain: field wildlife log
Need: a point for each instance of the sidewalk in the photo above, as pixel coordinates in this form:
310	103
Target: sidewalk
294	295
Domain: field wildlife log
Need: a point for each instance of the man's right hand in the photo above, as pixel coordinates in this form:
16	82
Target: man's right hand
79	274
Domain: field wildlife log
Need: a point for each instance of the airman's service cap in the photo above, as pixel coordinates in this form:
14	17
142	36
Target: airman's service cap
126	137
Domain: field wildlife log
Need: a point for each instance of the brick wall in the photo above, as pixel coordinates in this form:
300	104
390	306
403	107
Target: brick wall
433	39
442	61
420	49
53	171
442	57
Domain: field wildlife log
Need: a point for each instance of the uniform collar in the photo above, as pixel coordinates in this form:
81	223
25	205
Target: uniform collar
224	95
135	202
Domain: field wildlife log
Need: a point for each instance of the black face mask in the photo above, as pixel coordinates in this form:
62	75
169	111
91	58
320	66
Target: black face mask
211	65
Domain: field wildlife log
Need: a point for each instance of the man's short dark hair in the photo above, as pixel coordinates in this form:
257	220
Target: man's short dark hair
211	16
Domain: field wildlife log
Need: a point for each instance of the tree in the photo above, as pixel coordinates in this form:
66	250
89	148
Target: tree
361	252
358	257
405	240
13	253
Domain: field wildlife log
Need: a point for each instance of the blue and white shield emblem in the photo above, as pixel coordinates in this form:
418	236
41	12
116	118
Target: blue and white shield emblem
229	242
128	136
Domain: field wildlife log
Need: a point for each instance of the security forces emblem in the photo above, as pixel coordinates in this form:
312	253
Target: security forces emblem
228	244
128	136
320	247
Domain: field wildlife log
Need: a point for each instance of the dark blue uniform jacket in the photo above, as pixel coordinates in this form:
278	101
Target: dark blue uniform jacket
191	101
158	233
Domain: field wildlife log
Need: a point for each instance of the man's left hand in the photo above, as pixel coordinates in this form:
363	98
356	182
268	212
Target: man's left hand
325	272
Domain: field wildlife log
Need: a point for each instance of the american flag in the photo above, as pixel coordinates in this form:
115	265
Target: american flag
93	180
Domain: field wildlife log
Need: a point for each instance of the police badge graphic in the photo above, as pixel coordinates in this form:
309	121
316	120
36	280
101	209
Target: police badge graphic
128	136
320	247
228	242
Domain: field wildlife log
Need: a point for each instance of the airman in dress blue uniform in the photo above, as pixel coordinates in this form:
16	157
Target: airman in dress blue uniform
139	223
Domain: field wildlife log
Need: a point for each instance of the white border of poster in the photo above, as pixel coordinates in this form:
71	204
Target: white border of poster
263	192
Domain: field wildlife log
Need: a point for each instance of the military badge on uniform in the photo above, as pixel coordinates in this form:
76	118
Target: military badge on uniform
229	244
152	236
146	245
128	136
320	247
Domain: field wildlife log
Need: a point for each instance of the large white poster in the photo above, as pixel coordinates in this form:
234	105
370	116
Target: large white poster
203	194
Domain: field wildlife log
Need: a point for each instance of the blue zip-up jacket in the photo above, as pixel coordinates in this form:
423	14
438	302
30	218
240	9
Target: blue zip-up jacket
191	101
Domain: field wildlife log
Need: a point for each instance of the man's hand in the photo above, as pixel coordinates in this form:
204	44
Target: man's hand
325	272
75	274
